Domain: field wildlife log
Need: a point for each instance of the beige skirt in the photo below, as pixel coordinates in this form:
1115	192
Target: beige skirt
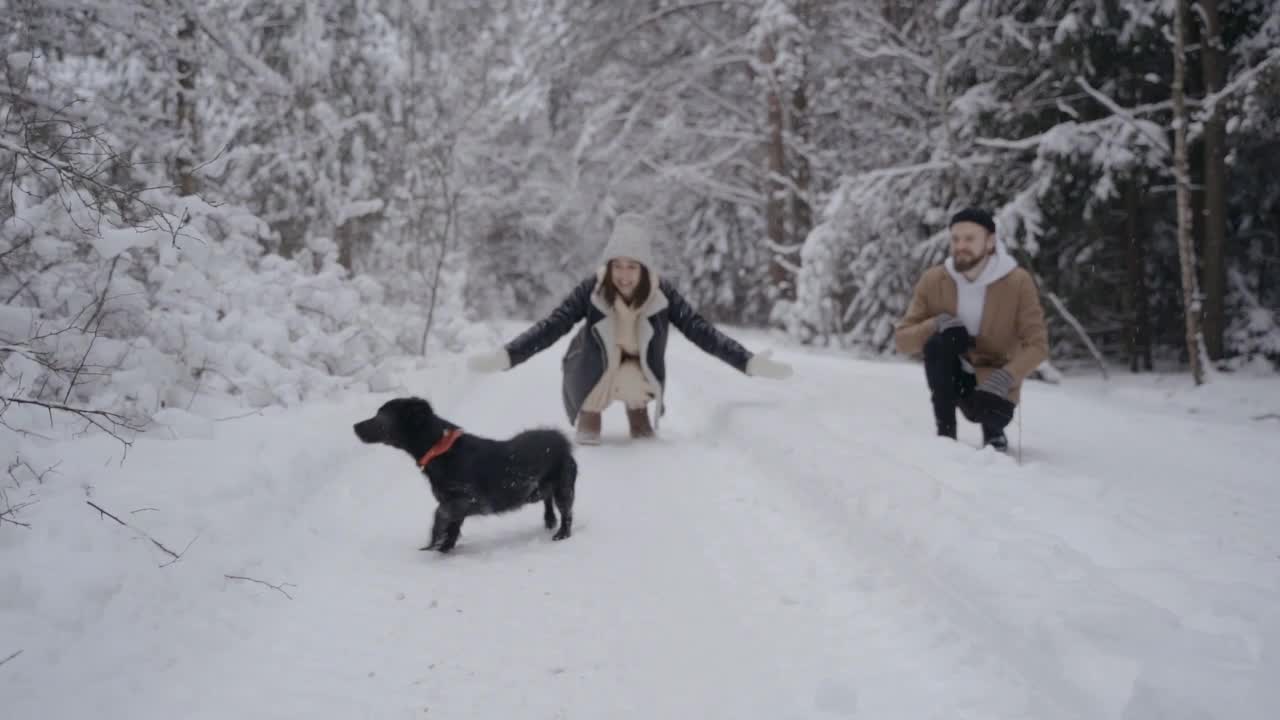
625	384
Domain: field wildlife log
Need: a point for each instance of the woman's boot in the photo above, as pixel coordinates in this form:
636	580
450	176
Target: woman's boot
638	418
588	428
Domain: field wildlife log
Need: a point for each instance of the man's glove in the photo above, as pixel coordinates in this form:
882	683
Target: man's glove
989	403
953	332
998	383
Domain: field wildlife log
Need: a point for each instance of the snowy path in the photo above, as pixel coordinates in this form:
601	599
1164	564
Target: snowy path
794	550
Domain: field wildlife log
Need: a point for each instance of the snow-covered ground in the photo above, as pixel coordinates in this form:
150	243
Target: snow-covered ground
798	549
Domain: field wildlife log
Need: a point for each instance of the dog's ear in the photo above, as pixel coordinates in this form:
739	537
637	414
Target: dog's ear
418	414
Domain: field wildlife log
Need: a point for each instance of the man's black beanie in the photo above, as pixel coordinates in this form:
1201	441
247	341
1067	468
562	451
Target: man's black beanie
975	215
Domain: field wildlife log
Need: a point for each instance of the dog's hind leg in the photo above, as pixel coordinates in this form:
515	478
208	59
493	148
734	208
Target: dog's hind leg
564	498
439	528
549	512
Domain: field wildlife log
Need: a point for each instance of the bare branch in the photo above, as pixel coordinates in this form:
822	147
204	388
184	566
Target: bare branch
84	185
176	556
237	417
104	512
39	476
96	321
109	422
8	511
26	283
179	555
1075	325
17	246
278	588
14	655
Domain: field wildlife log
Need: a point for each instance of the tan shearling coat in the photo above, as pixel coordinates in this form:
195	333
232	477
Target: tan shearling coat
1012	334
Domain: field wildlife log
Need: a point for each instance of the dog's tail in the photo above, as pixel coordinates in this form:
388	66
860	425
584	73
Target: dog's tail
569	470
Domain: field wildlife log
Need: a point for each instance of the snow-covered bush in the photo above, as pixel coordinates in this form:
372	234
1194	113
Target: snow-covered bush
137	320
1254	333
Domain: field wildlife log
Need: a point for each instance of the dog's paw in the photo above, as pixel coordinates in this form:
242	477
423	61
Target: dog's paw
564	533
550	521
429	546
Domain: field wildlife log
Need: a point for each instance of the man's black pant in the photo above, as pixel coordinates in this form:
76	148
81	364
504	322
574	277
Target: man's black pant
951	386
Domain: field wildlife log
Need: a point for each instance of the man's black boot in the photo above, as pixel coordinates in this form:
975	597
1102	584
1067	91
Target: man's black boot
996	439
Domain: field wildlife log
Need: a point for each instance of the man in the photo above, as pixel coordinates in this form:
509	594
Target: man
977	319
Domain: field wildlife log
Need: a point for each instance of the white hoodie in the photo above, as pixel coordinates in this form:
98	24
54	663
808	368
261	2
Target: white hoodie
972	296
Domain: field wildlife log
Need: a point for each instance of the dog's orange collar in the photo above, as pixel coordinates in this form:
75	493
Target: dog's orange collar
441	447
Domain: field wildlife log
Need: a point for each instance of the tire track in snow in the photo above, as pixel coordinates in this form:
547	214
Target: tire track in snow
869	646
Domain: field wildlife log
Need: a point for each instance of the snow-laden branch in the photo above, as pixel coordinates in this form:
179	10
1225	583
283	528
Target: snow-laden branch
932	165
887	29
721	102
704	183
273	81
1028	143
896	53
1209	103
1116	109
26	152
598	46
1035	142
675	9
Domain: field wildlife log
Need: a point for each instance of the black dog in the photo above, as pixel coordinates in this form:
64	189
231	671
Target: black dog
471	475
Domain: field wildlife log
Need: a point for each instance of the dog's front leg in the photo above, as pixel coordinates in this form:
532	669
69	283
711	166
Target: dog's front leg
451	533
439	528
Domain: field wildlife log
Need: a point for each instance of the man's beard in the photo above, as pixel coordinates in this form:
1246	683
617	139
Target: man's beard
965	263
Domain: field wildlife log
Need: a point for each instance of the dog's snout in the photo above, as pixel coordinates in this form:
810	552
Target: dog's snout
366	430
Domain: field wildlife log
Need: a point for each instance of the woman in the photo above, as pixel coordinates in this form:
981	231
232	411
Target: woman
619	354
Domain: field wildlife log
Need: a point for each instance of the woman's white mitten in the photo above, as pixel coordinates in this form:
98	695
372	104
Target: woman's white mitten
762	365
490	362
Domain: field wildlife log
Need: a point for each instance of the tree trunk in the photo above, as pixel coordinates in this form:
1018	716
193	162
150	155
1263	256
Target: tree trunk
1215	190
1182	174
801	211
775	169
801	176
184	167
1263	286
351	230
1137	304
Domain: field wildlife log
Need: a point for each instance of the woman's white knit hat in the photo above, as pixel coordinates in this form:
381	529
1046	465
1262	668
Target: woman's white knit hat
632	237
